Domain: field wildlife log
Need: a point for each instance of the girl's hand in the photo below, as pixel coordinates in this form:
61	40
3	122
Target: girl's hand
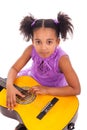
39	90
11	97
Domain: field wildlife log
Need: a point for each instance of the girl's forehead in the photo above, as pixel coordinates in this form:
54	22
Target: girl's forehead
44	34
44	30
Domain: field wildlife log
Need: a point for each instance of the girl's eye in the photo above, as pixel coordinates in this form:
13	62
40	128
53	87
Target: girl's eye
49	42
37	42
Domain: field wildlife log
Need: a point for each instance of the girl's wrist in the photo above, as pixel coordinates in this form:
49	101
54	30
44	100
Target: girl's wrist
48	91
9	85
51	91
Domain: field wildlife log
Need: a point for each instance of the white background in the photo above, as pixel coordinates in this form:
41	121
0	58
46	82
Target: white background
12	43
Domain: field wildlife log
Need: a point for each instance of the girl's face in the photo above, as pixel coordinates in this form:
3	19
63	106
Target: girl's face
45	41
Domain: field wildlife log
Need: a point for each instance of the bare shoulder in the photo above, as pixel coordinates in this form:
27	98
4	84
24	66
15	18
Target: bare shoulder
65	63
28	50
69	73
26	55
30	47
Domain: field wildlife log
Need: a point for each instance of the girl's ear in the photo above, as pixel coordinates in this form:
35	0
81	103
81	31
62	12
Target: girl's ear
58	40
32	41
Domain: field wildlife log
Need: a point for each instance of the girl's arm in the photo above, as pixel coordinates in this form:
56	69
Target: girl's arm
73	87
19	64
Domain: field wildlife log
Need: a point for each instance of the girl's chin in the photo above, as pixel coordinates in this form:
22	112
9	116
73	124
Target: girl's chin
44	56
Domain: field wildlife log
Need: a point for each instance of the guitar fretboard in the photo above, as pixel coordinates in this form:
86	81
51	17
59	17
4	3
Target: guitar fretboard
3	84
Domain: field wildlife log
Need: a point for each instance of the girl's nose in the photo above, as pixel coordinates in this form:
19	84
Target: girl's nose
44	46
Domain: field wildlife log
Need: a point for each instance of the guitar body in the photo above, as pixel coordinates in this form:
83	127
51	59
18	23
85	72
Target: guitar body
55	118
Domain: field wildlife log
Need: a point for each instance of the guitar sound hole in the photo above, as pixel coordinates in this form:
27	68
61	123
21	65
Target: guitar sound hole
29	97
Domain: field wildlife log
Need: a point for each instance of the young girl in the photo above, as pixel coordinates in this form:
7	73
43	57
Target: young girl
51	66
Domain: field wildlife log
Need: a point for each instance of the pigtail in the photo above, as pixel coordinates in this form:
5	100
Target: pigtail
65	25
26	27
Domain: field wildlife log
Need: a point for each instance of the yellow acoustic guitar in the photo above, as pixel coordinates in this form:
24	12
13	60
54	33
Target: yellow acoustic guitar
40	112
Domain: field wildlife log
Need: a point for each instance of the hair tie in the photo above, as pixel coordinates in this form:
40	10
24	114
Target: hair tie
33	22
55	21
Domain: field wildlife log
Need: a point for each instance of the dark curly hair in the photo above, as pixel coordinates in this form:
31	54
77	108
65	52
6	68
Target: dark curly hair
62	25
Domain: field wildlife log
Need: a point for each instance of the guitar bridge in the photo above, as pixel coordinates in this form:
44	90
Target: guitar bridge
47	108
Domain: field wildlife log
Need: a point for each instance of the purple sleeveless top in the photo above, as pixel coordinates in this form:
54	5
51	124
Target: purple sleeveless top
46	70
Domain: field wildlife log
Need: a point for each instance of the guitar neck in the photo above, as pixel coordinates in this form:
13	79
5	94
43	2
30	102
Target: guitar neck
20	89
3	84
